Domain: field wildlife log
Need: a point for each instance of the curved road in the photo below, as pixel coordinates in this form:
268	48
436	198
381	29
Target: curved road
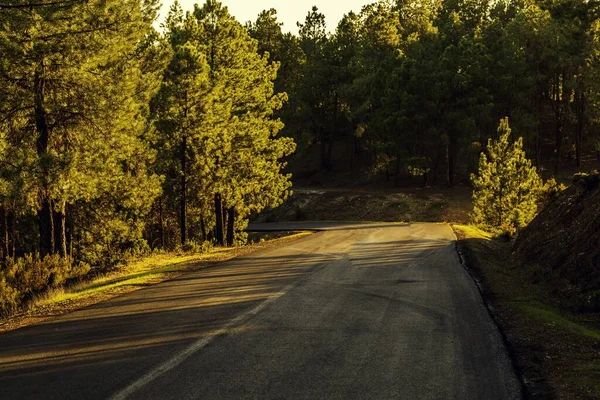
356	311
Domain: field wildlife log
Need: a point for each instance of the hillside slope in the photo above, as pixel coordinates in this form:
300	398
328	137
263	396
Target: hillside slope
564	242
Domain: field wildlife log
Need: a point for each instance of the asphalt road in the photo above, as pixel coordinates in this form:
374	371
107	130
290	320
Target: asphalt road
365	311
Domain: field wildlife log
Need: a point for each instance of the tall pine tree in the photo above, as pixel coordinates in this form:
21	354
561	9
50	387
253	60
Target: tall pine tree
73	95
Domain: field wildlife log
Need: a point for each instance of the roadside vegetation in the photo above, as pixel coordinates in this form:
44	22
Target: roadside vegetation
118	141
135	274
534	250
555	347
507	188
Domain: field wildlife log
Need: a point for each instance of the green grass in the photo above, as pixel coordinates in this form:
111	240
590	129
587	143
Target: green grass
473	232
137	273
555	347
553	317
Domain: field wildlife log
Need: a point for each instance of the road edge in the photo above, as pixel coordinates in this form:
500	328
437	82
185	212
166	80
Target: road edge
25	319
465	256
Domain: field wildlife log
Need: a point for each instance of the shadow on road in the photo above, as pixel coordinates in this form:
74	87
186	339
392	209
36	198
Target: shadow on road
123	338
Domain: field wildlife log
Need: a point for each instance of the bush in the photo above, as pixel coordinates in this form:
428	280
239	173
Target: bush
22	278
194	247
31	274
507	188
550	190
136	249
9	299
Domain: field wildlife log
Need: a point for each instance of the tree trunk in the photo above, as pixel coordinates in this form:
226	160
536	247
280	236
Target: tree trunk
60	231
219	220
70	230
332	134
330	154
325	154
398	171
538	138
230	226
183	194
161	222
203	229
46	229
4	233
560	96
452	150
387	172
436	166
559	142
352	155
580	123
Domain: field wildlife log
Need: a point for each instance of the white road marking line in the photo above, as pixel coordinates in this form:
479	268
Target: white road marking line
201	343
193	348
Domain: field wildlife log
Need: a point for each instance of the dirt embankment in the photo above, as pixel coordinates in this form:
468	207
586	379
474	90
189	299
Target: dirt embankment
564	242
401	205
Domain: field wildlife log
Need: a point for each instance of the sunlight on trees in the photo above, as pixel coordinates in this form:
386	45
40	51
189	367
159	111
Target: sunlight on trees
507	187
116	139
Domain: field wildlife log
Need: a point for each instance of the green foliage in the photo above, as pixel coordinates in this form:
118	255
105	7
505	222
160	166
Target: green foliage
75	81
115	138
25	277
217	134
550	190
194	247
507	187
9	297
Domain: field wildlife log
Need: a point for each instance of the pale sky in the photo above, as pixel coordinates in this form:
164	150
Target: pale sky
288	11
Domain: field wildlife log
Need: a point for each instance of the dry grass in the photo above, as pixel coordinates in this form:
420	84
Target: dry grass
133	276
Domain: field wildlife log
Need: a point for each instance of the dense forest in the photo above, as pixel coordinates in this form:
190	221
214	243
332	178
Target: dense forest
116	138
418	87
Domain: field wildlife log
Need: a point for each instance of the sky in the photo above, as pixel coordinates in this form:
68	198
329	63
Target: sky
288	11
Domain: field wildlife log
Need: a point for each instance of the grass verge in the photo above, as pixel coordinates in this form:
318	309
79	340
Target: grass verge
135	275
556	350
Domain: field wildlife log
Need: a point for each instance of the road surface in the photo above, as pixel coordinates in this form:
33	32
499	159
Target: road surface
363	311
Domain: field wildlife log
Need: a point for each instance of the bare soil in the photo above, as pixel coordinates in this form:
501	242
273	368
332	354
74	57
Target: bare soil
563	241
374	204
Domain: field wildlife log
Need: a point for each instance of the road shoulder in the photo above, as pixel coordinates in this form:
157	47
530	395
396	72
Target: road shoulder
555	352
154	269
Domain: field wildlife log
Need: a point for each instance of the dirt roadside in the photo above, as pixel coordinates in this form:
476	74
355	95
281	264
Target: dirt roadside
556	352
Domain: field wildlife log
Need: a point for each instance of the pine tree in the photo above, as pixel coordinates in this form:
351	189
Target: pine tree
507	188
267	31
285	49
241	150
178	110
73	93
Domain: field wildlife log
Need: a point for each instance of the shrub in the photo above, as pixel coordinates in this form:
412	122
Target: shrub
31	274
9	297
24	277
136	249
194	247
550	190
507	188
